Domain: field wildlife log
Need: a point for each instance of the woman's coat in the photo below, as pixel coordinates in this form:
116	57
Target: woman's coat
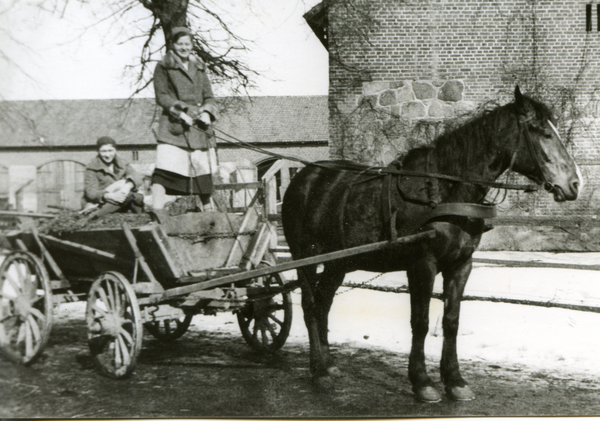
98	178
178	89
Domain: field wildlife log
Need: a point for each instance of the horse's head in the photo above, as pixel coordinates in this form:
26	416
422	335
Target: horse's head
541	155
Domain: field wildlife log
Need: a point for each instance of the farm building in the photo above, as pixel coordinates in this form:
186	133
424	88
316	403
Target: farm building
400	71
45	145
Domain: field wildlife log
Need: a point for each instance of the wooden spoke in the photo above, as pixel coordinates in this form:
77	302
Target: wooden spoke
21	334
275	319
38	314
17	288
115	356
104	299
28	339
10	316
99	310
256	315
272	330
126	335
265	337
25	307
124	350
35	329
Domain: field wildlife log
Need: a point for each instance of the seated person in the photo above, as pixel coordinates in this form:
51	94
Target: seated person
111	182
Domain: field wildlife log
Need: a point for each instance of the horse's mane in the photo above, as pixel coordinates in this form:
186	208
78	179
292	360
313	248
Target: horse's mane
460	148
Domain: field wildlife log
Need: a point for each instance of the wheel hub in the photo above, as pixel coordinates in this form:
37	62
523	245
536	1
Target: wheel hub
22	306
109	325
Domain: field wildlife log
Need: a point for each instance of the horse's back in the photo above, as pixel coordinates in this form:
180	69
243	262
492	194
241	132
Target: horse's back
320	201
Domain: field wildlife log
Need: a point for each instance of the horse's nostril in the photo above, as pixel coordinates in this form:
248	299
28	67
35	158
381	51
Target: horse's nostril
576	185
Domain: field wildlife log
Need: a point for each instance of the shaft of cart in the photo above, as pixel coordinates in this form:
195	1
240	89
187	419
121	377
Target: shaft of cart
199	286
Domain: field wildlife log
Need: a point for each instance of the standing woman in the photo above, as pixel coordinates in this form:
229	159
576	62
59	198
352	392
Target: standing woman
186	152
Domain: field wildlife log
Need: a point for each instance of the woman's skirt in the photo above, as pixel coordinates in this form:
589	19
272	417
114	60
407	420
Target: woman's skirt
184	172
179	185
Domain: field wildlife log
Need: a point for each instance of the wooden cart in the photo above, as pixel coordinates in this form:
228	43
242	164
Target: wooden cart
157	276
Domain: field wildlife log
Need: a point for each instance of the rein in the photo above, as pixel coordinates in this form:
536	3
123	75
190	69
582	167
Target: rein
379	171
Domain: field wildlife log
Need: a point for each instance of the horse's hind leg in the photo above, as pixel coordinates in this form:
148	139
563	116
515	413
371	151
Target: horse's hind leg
317	295
330	280
421	276
455	280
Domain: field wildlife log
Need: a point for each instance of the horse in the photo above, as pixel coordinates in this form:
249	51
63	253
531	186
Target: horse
334	205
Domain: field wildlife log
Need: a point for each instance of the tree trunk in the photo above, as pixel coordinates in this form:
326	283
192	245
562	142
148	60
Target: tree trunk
170	13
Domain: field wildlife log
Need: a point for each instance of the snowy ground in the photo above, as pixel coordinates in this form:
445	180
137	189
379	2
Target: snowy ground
498	333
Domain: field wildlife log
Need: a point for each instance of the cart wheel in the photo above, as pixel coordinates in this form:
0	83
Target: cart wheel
168	330
266	323
114	325
25	307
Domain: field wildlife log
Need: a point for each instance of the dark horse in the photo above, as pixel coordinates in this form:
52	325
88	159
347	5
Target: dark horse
333	205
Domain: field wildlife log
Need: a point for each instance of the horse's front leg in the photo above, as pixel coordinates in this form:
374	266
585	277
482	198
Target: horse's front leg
421	276
455	280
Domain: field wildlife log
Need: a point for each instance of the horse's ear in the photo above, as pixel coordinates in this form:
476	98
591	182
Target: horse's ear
519	100
524	109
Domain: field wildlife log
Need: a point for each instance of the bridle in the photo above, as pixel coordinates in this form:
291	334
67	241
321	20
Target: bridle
548	186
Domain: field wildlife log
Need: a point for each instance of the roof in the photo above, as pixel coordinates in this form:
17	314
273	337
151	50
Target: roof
277	119
318	20
69	123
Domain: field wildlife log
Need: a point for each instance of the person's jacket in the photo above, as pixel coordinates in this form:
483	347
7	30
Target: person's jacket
178	89
98	177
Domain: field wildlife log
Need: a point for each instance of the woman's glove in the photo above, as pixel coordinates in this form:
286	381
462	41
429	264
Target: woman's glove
186	119
204	119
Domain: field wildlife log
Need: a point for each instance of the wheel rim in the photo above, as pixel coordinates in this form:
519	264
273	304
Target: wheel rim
114	325
25	307
169	329
265	324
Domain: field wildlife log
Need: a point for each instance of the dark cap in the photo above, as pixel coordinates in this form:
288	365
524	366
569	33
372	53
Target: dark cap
105	140
179	29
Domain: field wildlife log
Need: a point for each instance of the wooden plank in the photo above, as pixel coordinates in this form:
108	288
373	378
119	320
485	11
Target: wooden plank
27	214
80	248
47	256
295	264
262	243
139	256
274	169
160	238
241	243
238	186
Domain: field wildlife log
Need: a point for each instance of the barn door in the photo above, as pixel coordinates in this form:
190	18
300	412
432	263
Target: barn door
60	185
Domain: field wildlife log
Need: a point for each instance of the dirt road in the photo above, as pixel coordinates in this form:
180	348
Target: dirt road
211	372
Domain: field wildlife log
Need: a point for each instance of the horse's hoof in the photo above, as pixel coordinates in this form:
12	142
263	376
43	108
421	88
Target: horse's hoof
324	383
428	394
335	372
459	393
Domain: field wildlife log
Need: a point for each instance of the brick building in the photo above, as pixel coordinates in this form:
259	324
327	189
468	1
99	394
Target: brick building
400	70
45	145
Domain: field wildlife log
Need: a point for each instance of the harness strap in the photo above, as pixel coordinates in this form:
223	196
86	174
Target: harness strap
433	191
389	211
547	185
470	210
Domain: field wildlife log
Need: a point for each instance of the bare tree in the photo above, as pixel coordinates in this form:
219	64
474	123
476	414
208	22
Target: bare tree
214	41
